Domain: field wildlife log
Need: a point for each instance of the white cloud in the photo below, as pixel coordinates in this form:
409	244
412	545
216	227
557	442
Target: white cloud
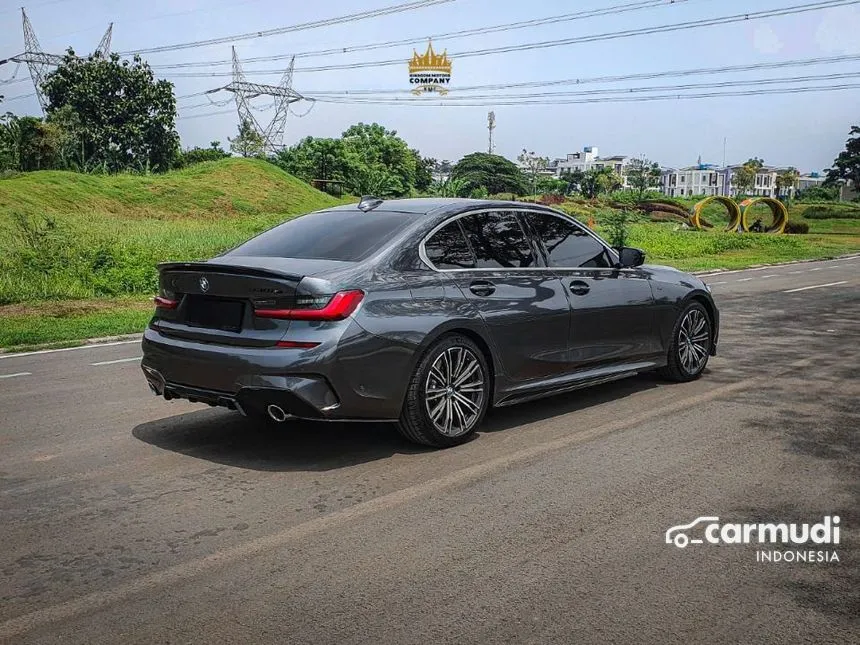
839	31
765	40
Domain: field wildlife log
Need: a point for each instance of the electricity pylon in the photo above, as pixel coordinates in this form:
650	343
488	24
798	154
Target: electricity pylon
40	62
283	94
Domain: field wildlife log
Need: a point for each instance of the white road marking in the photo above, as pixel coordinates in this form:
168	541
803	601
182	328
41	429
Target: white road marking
816	269
816	286
119	360
770	275
716	283
744	279
69	349
16	374
794	272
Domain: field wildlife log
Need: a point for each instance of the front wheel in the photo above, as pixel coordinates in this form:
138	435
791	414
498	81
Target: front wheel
692	338
448	394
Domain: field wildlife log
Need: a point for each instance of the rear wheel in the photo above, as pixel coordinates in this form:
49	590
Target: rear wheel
448	394
692	338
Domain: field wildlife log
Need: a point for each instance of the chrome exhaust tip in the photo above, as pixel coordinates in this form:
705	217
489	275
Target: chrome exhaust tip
277	413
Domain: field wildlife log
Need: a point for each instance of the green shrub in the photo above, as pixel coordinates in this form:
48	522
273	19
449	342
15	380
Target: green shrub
831	212
797	228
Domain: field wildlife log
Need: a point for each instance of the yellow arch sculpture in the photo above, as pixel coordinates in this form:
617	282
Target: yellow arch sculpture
780	213
732	208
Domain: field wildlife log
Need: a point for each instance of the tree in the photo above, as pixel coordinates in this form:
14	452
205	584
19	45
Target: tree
548	185
743	179
449	187
643	174
28	143
315	159
423	171
593	182
249	142
375	152
846	167
818	194
126	117
786	180
492	172
197	154
533	165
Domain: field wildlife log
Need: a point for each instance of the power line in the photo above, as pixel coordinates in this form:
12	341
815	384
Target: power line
699	71
451	35
693	24
353	17
608	99
19	97
620	90
200	116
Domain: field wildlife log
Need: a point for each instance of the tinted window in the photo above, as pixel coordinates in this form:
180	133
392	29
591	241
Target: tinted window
567	244
348	235
498	240
447	249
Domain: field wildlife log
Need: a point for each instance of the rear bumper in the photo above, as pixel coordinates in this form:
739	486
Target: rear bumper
300	397
340	380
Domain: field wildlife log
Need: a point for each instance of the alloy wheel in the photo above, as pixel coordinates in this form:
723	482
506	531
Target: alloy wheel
454	391
694	338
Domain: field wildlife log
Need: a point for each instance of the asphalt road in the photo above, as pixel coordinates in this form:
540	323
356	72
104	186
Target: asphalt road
128	519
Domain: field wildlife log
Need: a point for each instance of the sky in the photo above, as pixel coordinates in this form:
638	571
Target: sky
803	130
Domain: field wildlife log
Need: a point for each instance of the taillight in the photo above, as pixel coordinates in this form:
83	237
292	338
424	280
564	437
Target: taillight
338	307
165	303
296	344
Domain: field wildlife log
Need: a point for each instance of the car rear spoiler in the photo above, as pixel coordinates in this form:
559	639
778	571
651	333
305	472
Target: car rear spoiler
234	269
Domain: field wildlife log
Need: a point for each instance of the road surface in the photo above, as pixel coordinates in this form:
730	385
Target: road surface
128	519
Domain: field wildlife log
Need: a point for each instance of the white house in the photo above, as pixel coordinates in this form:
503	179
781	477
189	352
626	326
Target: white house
588	159
708	180
702	179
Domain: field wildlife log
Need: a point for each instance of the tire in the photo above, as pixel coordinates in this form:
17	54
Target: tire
687	359
453	374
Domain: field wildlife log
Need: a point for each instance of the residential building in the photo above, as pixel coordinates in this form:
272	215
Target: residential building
810	180
589	159
701	179
709	180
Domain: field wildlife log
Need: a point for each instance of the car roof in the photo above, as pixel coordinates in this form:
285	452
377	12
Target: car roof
439	205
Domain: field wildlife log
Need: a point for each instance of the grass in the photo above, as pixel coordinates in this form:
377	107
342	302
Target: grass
72	236
59	323
78	252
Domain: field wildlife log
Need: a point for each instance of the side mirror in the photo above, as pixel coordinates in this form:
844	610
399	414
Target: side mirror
630	257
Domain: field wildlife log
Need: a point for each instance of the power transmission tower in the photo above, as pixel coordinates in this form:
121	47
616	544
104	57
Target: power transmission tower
39	62
103	49
491	125
283	94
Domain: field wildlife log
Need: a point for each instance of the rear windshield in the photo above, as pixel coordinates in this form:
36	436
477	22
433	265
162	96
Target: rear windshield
348	236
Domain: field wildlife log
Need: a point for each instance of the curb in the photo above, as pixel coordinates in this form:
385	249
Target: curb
759	267
72	344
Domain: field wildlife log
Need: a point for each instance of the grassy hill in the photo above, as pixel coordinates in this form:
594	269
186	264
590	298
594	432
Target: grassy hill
216	189
66	235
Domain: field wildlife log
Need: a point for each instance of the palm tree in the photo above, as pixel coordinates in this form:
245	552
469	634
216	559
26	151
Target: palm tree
786	179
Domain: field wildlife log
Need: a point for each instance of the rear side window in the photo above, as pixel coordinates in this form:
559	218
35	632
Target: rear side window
347	235
448	249
497	240
567	244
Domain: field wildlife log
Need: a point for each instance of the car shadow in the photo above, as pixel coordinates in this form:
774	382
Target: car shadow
225	437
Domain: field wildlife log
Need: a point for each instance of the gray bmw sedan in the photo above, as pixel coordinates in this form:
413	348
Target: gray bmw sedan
423	312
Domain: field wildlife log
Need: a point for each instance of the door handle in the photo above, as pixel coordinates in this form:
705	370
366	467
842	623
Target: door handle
482	288
579	288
